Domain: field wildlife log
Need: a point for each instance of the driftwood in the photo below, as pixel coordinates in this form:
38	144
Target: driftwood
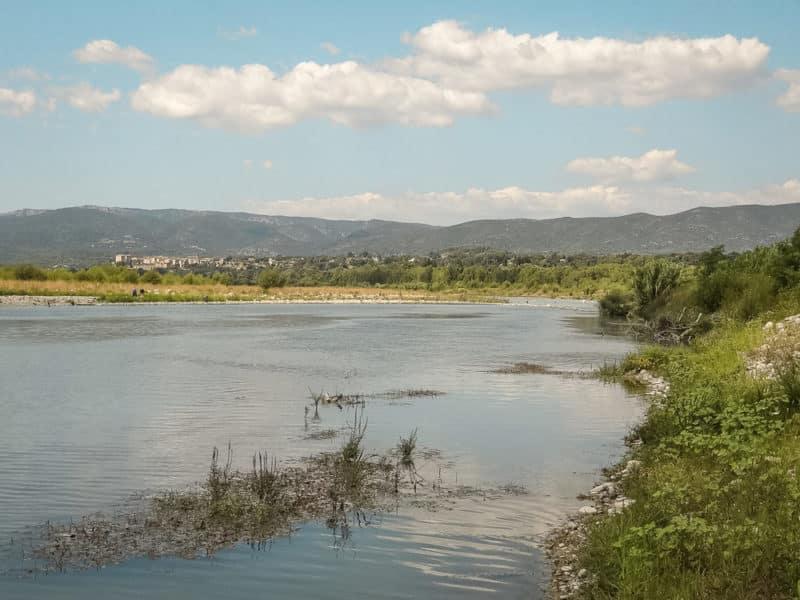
668	331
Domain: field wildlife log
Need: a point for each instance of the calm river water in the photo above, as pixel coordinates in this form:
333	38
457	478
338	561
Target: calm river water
99	403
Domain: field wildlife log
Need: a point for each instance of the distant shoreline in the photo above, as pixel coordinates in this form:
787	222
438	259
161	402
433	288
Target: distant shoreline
52	301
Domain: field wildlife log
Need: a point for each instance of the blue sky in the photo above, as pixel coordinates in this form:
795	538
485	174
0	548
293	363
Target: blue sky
424	111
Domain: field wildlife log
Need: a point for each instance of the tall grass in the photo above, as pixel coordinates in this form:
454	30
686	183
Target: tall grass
219	475
265	477
352	462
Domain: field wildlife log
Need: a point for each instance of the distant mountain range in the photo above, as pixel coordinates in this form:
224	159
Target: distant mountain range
87	234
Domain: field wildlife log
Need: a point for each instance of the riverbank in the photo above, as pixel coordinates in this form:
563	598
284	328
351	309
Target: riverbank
116	292
568	540
705	504
16	300
43	294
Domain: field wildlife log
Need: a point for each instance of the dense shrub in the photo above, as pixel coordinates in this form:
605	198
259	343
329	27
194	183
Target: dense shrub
654	281
29	273
616	303
270	278
152	277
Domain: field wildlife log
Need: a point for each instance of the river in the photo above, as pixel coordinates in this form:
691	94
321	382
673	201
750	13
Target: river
99	403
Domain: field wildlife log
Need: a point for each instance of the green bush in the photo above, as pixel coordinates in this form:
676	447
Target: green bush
29	273
616	303
754	294
713	289
271	278
152	277
654	281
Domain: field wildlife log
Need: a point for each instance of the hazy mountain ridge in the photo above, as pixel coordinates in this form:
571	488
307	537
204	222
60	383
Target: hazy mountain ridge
78	235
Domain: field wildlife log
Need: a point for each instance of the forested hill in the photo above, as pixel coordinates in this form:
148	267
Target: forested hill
79	235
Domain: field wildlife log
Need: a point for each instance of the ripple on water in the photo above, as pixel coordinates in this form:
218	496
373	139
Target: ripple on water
100	403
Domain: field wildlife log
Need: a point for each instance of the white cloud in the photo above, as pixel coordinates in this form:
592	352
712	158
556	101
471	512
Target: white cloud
671	199
238	34
253	98
790	101
636	130
451	207
449	74
15	103
248	163
330	48
109	52
584	71
87	98
267	164
654	165
447	208
28	74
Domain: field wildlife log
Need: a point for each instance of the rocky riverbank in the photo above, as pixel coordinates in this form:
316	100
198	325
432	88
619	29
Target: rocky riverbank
66	300
780	350
48	300
607	497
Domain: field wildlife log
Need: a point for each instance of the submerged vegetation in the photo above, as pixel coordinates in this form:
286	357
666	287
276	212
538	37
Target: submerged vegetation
715	511
232	506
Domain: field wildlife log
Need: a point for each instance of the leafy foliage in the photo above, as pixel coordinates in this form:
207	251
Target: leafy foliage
271	278
617	303
654	281
29	273
717	495
152	277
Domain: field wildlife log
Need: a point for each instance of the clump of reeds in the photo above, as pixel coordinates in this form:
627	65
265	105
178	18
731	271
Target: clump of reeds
406	450
265	478
353	465
219	477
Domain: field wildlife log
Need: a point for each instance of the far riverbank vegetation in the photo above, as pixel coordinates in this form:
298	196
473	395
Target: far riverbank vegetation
472	272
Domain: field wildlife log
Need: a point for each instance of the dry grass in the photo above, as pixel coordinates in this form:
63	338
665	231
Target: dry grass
93	288
217	292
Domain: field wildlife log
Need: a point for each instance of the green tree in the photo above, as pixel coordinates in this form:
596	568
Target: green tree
786	265
271	278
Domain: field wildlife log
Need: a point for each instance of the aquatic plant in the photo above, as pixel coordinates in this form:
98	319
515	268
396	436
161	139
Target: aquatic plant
219	477
265	478
352	464
406	448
